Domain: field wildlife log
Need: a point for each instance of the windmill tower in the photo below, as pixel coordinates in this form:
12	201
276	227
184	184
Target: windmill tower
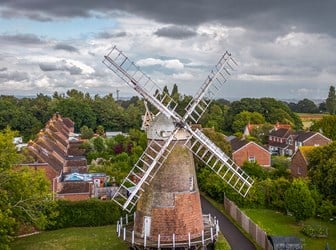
163	181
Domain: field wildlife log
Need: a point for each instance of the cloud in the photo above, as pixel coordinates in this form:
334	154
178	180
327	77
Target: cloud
13	76
61	66
106	35
66	47
22	39
3	69
176	32
306	15
169	64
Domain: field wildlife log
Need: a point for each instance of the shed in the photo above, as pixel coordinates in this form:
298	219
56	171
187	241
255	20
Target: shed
285	242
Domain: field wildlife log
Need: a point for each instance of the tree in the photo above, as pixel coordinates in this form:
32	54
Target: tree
86	132
299	200
326	125
306	106
23	192
331	101
245	117
322	170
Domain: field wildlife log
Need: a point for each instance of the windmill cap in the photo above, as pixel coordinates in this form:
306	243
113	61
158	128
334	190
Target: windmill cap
161	128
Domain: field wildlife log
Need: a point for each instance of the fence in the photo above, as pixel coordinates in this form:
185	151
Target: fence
248	225
208	235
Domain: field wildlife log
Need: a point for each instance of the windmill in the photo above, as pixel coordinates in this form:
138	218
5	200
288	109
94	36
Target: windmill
162	184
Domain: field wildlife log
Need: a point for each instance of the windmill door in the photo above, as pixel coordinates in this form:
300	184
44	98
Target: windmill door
147	225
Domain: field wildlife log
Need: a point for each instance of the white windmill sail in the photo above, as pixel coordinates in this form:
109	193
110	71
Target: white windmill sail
155	154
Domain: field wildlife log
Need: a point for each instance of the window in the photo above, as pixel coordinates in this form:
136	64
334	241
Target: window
299	170
252	159
191	183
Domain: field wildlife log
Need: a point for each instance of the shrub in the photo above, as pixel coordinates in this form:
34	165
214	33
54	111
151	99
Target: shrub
85	213
315	231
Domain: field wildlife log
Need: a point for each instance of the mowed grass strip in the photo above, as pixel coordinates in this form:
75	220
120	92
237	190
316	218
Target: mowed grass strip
72	238
275	223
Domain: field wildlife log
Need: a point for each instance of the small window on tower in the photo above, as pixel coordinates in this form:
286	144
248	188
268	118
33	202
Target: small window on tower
191	183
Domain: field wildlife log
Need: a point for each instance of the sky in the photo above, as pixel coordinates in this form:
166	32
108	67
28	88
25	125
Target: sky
284	49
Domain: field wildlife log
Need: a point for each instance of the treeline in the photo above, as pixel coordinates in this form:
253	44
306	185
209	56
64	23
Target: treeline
29	115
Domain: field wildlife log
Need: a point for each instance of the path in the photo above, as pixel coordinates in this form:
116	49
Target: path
236	239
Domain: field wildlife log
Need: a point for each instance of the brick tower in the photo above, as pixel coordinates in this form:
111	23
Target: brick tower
170	204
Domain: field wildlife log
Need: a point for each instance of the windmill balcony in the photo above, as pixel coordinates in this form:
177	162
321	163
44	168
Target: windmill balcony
140	241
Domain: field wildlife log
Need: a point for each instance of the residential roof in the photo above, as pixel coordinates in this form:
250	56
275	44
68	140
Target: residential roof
73	187
281	132
237	143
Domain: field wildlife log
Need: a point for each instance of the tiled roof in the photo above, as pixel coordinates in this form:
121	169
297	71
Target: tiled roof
303	135
237	143
74	187
281	132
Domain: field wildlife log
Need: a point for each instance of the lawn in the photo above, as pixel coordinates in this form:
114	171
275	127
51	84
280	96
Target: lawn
72	238
275	223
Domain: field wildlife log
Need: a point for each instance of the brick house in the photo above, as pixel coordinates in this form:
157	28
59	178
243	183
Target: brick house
243	150
299	162
286	142
57	151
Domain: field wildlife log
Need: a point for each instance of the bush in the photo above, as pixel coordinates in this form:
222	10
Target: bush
315	231
85	213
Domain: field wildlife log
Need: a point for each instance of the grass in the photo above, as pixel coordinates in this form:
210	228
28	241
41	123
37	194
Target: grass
80	238
307	119
275	223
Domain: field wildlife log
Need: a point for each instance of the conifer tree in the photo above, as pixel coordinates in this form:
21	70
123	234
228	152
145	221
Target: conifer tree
331	101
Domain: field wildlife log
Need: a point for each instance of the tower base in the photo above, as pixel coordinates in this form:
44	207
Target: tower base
125	231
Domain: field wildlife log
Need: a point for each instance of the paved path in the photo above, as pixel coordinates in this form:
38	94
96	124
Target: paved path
236	239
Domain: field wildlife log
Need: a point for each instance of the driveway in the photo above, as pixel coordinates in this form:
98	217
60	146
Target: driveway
236	239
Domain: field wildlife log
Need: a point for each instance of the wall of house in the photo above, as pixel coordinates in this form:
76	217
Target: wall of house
298	165
316	140
262	157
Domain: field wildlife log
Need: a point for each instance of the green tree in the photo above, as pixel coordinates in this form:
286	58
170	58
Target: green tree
322	170
299	200
23	192
306	106
331	101
86	132
326	125
100	130
245	117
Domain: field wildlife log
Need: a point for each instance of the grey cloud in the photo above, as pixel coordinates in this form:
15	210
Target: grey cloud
22	39
175	32
13	76
66	47
309	15
106	35
73	70
3	69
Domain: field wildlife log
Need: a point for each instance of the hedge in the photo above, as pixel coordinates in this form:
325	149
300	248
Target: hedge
85	213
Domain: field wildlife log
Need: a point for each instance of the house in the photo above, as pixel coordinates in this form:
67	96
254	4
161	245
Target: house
279	141
309	138
299	162
250	127
285	141
243	150
57	151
